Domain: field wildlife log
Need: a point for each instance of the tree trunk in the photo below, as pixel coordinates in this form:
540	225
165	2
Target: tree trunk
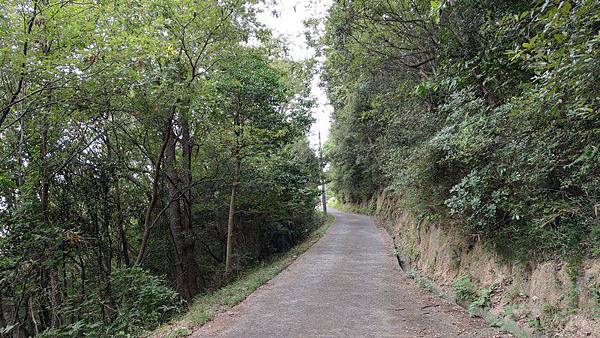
180	214
238	132
229	251
186	146
155	191
104	235
54	295
231	219
190	266
120	225
174	210
45	169
20	156
3	322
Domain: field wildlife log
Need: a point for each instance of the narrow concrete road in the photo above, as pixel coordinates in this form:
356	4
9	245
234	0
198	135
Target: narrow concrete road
347	285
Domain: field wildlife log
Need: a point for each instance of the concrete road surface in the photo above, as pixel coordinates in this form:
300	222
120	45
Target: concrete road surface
347	285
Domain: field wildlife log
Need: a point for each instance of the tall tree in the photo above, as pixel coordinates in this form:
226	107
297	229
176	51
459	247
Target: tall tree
254	98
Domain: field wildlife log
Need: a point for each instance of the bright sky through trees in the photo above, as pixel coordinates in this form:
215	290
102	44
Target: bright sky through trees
286	18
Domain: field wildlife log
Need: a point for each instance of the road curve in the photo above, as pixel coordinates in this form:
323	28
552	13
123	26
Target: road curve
347	285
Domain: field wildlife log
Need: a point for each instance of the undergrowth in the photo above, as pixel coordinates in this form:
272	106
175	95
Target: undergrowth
369	209
206	306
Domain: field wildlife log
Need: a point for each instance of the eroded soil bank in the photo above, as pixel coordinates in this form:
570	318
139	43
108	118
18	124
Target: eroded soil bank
551	297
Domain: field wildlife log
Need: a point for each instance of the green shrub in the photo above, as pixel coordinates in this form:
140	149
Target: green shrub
482	301
142	301
464	290
595	290
501	137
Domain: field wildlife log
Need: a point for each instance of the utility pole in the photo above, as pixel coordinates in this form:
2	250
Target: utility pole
322	179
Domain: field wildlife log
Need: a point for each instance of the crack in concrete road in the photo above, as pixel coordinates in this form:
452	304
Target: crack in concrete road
347	285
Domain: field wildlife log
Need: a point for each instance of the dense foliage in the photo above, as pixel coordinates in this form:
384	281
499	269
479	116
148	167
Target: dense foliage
480	114
142	145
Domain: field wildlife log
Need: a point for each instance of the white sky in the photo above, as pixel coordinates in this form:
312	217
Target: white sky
289	24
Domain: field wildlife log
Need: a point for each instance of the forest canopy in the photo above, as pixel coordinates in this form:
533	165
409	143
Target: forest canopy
149	150
480	115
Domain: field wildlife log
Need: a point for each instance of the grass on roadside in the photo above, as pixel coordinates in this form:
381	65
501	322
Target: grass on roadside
206	306
351	208
464	291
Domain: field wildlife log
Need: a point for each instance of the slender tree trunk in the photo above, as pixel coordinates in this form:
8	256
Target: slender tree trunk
108	211
172	180
238	132
190	267
53	273
120	226
20	155
44	199
124	245
106	258
155	191
45	169
55	297
231	220
21	83
186	146
3	322
230	224
322	180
